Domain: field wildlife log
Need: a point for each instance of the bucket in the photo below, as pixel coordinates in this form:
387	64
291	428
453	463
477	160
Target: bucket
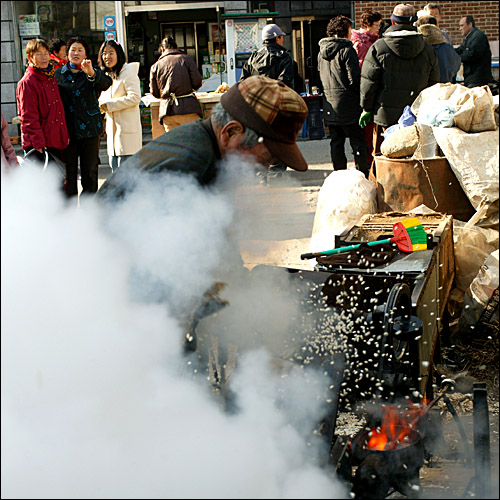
403	184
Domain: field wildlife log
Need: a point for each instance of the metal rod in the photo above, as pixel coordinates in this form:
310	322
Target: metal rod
338	377
468	457
482	461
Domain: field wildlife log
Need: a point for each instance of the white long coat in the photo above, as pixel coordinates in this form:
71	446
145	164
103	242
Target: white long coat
123	118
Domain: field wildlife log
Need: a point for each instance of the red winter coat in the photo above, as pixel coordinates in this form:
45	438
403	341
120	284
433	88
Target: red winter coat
362	40
41	111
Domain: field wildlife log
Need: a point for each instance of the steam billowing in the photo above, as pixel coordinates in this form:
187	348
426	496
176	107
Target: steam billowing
97	398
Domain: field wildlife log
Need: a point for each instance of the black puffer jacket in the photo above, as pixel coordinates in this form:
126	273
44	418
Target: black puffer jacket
79	95
272	61
339	71
475	53
395	70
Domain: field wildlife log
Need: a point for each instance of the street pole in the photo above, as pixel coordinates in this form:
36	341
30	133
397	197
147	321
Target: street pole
481	425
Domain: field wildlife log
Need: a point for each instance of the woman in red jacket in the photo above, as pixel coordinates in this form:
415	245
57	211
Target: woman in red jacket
43	125
362	40
58	52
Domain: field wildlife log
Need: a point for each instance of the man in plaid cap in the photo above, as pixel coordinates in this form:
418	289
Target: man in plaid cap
259	117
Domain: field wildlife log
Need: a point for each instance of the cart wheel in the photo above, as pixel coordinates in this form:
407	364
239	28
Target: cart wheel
396	365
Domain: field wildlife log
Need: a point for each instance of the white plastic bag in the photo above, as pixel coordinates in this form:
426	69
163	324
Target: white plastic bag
437	113
344	197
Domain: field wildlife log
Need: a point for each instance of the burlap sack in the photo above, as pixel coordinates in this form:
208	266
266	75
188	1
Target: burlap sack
475	107
475	110
401	143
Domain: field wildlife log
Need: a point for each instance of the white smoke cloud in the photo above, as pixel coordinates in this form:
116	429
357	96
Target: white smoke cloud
97	399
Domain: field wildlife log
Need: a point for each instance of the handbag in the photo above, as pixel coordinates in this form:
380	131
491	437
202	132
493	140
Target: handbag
51	161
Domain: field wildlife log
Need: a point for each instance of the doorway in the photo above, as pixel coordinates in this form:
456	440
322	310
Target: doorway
306	33
184	35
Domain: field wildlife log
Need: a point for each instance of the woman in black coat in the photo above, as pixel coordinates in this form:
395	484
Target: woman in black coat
80	84
340	76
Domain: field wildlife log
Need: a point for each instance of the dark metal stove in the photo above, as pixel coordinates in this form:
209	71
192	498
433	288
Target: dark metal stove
374	468
380	470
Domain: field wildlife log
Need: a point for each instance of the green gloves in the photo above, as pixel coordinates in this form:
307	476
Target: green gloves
365	117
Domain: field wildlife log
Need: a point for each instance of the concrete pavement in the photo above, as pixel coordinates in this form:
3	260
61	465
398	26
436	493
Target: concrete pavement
316	153
283	211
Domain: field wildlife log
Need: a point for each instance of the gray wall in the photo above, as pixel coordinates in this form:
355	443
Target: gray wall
9	69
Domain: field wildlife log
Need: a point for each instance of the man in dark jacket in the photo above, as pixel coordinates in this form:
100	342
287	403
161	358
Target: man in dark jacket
396	69
173	78
475	53
449	60
339	71
273	61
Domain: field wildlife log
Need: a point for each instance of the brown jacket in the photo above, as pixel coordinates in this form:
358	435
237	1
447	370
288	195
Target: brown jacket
173	76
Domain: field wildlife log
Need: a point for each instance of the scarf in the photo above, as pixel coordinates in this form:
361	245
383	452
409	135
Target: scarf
73	66
48	71
60	62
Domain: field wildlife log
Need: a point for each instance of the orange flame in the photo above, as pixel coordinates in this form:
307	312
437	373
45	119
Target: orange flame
395	428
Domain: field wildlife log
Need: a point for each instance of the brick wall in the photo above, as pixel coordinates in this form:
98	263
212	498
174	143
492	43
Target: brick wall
9	70
485	15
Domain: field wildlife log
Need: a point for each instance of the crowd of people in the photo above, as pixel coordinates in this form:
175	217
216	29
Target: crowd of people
397	58
368	76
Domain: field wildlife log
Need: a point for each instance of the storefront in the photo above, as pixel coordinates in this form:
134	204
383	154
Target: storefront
219	35
199	29
50	19
196	27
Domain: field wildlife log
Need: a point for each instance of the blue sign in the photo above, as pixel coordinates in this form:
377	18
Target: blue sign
109	35
109	23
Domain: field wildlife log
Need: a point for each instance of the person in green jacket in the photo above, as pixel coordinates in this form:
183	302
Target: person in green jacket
396	69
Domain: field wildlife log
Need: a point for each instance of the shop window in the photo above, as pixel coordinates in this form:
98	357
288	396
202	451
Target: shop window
183	34
51	19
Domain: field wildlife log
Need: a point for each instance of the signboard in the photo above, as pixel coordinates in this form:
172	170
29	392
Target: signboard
28	18
44	12
109	35
246	36
29	25
215	33
109	24
29	29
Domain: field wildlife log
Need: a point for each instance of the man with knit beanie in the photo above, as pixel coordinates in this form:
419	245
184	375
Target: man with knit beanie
449	60
396	69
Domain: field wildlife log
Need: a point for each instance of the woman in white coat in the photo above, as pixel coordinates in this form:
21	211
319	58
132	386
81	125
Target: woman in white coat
120	103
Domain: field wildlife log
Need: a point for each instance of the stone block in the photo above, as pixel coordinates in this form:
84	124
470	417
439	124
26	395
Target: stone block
8	93
6	11
6	31
8	52
9	73
9	111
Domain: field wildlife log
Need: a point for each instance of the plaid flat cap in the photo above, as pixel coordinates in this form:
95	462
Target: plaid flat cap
274	111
